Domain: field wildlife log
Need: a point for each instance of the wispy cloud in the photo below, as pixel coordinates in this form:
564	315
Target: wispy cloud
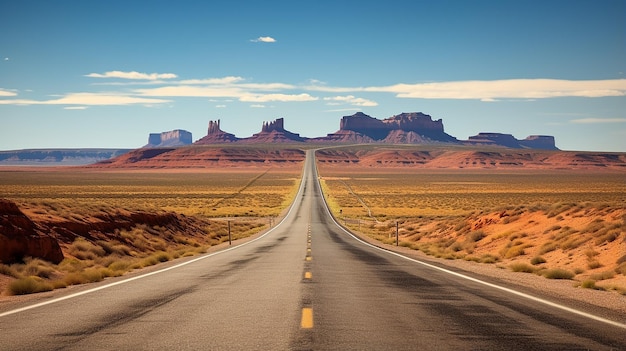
277	97
7	93
88	99
350	99
491	90
263	40
257	106
132	75
598	120
75	108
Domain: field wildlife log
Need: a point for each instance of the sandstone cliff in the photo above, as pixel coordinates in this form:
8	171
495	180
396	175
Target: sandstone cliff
177	137
20	237
405	128
274	132
215	135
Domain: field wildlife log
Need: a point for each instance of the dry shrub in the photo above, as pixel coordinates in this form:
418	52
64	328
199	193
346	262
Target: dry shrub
547	247
38	267
593	264
557	273
608	237
85	250
588	284
522	267
537	260
476	236
602	275
9	271
28	285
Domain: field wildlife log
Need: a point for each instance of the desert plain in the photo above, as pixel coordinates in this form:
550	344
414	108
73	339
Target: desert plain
558	222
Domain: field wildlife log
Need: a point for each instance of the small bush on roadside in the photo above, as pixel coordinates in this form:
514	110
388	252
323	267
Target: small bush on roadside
522	267
28	285
557	273
588	284
603	275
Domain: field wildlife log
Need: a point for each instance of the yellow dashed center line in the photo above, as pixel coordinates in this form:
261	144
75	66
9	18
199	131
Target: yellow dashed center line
307	318
309	258
308	275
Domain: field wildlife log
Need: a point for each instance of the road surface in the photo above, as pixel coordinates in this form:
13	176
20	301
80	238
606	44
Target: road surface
305	285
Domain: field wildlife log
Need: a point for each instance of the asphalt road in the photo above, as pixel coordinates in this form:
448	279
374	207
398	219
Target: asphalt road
305	285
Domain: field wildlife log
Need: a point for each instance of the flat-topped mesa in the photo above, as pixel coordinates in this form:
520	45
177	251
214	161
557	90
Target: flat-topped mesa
544	142
215	135
416	123
177	137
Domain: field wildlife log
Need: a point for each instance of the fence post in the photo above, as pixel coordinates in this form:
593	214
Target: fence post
230	238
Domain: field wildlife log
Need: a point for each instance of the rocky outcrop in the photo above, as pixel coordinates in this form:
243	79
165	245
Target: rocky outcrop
177	137
215	135
20	237
274	132
405	128
544	142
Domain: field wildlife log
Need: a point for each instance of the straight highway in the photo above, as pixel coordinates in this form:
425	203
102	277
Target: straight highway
305	285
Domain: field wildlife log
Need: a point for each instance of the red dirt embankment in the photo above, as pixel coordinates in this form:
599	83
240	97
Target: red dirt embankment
470	158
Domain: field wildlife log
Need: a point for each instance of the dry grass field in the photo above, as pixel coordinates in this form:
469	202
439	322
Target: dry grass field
558	224
110	222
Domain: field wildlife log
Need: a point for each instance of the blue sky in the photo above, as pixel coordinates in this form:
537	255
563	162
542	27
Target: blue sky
107	73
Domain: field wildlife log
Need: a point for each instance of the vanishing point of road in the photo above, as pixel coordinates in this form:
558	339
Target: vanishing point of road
305	285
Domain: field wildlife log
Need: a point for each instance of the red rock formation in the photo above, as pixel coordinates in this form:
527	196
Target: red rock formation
274	132
20	237
215	135
405	128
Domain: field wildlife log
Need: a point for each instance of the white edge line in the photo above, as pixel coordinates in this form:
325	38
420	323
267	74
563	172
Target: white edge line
491	285
106	286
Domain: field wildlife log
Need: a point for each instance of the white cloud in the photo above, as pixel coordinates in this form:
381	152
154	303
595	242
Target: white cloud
350	99
132	75
75	108
264	40
257	106
277	97
192	91
7	93
598	120
6	59
212	81
90	99
220	106
509	88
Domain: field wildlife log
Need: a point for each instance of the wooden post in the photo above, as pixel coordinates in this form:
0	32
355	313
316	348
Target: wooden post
230	238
